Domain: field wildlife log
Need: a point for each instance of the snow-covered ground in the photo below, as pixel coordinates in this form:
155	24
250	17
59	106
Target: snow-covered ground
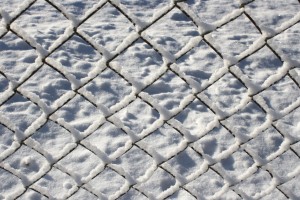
150	99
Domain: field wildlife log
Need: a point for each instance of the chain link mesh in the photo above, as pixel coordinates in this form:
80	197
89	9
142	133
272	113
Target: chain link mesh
137	153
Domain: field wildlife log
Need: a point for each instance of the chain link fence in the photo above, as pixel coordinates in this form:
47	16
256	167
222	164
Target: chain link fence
165	108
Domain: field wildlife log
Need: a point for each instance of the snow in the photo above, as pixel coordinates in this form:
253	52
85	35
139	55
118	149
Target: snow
230	194
290	123
248	122
14	7
166	141
169	90
114	23
236	36
53	146
7	145
82	193
75	8
199	65
108	184
5	88
11	185
216	144
152	99
273	15
208	185
31	194
208	14
257	185
129	116
140	61
275	194
77	57
159	188
61	184
75	164
296	147
138	172
287	44
217	98
17	57
263	61
2	26
266	146
80	114
27	164
35	22
54	81
238	166
22	112
203	119
291	187
186	165
109	140
144	12
172	32
287	93
284	166
181	194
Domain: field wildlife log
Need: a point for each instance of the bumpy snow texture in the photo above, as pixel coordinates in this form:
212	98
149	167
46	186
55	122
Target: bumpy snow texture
150	99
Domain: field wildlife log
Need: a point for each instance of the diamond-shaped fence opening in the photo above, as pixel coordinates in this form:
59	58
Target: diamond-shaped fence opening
139	63
108	140
275	14
166	141
74	164
144	164
255	185
206	185
146	11
20	112
108	184
287	44
173	31
200	64
108	89
52	140
28	164
83	193
225	95
235	37
264	61
43	23
11	188
17	56
210	11
108	32
162	99
61	184
181	194
169	90
132	194
216	143
186	164
55	87
77	8
76	57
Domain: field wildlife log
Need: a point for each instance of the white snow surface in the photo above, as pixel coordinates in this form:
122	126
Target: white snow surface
150	99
